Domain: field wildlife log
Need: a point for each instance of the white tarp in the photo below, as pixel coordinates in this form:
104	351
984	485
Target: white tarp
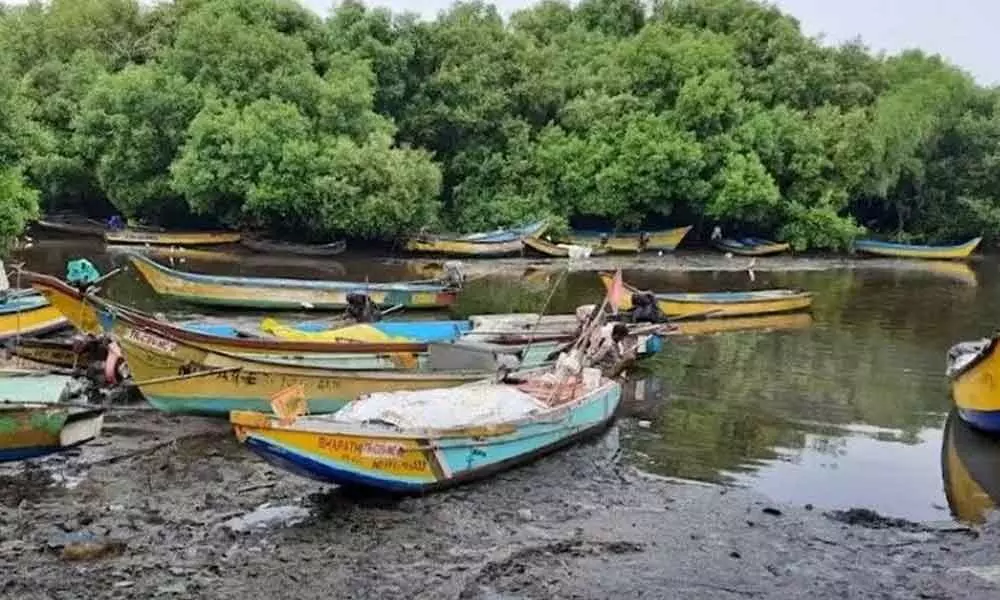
463	406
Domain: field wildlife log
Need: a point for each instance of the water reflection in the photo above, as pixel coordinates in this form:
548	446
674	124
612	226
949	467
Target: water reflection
970	469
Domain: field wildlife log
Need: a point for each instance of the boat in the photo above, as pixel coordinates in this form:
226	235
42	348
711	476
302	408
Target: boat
56	353
751	246
773	322
562	250
970	470
31	425
78	227
666	240
176	376
481	249
315	250
415	442
285	294
171	238
504	234
721	304
916	251
26	313
973	370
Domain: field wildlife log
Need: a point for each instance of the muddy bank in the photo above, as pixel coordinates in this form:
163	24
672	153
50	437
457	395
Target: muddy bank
165	507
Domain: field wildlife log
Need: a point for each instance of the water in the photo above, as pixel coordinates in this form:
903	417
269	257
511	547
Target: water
846	410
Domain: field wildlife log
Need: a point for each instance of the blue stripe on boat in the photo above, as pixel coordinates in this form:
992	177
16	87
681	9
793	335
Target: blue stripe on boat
986	420
12	454
22	303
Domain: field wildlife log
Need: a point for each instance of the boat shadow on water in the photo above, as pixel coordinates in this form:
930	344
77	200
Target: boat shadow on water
970	470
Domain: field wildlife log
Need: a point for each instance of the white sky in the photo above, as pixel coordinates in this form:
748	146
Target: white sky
962	31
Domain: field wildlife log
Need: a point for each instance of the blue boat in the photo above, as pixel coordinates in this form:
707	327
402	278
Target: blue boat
505	235
414	442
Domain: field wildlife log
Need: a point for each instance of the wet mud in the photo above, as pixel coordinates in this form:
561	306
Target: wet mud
163	507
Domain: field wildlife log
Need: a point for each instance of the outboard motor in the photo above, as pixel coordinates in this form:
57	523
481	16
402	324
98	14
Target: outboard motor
361	309
453	273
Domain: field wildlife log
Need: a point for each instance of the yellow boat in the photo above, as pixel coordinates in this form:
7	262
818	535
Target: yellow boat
667	240
179	377
25	314
171	238
721	304
751	246
284	294
974	373
916	251
67	301
970	468
465	247
561	250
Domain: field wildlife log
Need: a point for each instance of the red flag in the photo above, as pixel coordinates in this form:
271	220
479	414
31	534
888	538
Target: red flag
616	293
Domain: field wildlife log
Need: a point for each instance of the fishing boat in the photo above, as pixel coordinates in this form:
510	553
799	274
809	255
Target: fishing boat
970	469
176	376
314	250
27	313
720	304
974	374
481	249
666	240
915	251
548	248
56	353
285	294
503	235
31	425
414	442
171	238
751	246
773	322
76	227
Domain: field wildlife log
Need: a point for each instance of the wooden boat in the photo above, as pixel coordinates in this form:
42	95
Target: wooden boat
433	439
76	227
970	469
31	426
502	235
171	238
775	322
284	294
428	245
666	240
176	376
722	304
974	375
562	250
56	353
751	246
27	314
916	251
317	250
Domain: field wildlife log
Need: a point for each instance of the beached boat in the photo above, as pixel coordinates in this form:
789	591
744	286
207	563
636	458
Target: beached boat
428	245
916	251
284	294
563	250
721	304
973	370
178	377
27	313
56	353
751	246
76	227
420	441
970	470
315	250
666	240
502	235
171	238
31	426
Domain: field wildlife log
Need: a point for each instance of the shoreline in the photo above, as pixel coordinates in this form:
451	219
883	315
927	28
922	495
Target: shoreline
181	510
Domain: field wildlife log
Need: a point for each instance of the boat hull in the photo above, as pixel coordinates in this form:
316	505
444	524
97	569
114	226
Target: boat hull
56	353
975	389
722	304
465	247
317	250
556	251
752	249
167	238
28	315
422	463
666	240
282	294
915	251
177	377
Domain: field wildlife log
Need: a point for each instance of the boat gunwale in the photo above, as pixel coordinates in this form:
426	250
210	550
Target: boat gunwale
551	415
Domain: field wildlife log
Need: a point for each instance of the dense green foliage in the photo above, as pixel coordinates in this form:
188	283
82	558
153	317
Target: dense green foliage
261	114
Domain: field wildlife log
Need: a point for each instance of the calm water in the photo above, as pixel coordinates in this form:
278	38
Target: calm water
847	409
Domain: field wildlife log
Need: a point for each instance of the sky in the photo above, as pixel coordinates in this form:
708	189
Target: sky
962	31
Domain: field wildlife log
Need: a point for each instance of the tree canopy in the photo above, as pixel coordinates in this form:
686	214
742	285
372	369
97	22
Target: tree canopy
369	124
